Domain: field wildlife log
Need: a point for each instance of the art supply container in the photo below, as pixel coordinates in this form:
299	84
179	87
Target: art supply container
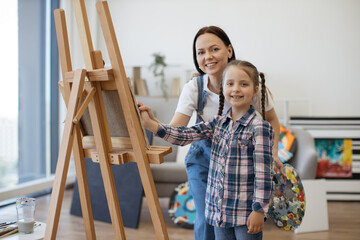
25	208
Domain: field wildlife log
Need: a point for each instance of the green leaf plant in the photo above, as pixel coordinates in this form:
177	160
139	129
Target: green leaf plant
157	67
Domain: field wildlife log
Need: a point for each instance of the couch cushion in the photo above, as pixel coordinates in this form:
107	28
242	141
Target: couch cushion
169	172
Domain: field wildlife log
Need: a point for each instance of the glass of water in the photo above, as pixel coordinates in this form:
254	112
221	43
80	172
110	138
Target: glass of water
25	209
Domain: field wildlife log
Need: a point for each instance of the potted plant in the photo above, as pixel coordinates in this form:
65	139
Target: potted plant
157	67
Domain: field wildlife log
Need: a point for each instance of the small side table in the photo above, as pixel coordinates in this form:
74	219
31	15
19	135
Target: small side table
38	234
316	212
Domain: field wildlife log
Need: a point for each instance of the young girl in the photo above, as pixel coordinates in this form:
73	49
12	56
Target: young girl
239	179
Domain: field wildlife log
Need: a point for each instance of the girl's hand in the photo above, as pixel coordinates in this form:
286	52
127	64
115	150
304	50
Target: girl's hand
143	107
148	123
145	118
255	222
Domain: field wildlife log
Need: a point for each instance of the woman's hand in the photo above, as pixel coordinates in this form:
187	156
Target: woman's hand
255	222
280	166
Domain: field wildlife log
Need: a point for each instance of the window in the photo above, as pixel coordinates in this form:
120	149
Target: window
29	96
9	97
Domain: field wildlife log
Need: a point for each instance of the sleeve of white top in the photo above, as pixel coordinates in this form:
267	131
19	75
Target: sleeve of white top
188	98
270	102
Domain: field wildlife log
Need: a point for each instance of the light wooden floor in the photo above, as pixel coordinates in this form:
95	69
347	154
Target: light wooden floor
344	222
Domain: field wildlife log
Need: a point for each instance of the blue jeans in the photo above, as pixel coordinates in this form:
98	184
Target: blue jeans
236	233
197	167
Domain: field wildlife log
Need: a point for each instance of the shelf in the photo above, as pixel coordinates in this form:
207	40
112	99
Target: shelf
343	189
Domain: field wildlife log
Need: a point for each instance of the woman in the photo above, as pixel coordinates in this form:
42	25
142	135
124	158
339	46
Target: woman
212	50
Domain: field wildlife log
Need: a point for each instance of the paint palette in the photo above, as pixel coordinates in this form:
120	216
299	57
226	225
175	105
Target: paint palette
287	204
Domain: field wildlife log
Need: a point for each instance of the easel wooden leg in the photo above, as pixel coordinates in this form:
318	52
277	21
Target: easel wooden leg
64	157
83	185
153	200
64	52
99	130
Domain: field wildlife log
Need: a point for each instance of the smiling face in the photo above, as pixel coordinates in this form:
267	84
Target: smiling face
212	55
238	90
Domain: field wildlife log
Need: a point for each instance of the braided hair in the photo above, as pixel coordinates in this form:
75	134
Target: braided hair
263	94
221	99
253	73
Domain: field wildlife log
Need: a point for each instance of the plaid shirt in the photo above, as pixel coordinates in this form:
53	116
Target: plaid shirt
239	179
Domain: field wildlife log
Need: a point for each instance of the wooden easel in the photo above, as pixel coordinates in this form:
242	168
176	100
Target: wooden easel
79	95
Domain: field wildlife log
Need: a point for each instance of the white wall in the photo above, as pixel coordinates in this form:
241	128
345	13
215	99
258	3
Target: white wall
308	49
